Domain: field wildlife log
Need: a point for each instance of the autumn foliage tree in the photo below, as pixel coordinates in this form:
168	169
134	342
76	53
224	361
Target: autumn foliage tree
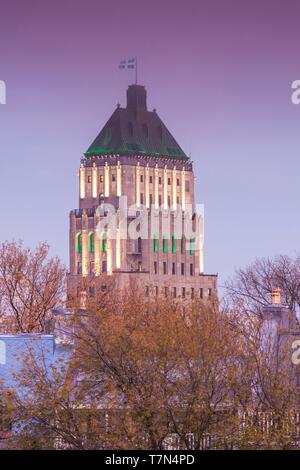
155	373
144	373
31	284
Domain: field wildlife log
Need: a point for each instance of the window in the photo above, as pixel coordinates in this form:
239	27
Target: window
92	267
177	199
142	198
139	245
79	268
183	292
92	291
155	243
173	268
174	292
104	266
91	242
150	179
78	247
155	267
103	243
166	291
101	178
165	269
191	269
182	245
89	179
201	292
159	180
151	199
156	290
169	201
165	244
113	177
173	244
140	266
147	291
192	246
209	292
192	292
169	181
178	182
182	269
187	186
159	200
142	178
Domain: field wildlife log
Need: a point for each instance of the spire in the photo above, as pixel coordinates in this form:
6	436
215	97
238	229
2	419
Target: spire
136	97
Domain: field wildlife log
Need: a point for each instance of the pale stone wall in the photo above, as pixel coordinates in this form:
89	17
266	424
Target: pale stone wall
143	180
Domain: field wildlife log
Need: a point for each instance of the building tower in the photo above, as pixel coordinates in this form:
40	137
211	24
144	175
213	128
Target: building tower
135	160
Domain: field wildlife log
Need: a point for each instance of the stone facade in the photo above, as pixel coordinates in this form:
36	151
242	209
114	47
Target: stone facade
157	179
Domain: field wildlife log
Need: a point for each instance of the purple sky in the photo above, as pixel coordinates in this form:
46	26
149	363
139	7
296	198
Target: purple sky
219	74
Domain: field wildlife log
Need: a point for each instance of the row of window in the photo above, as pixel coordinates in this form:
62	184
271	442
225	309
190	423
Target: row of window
92	267
101	178
187	185
173	268
159	199
91	292
173	244
113	179
155	268
174	291
91	244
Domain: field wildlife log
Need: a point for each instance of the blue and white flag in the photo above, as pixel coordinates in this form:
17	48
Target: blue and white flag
128	64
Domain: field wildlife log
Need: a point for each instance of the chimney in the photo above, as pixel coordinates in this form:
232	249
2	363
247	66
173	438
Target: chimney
276	296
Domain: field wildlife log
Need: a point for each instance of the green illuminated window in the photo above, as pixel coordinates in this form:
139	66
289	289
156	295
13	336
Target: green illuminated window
78	247
103	243
192	245
155	243
165	244
91	242
173	244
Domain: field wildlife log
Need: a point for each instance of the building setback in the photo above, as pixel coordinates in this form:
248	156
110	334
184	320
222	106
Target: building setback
135	156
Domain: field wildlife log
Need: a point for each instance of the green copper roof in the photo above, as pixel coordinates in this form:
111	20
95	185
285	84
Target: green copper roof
134	129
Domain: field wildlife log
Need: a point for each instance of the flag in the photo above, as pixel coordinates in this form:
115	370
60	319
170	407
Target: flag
128	64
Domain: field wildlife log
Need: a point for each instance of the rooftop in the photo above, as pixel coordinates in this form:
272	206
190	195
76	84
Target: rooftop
134	129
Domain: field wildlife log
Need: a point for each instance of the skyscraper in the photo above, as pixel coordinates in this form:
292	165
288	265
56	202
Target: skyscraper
137	217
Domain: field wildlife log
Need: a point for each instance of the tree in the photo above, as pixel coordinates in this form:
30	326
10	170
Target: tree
155	373
269	397
144	374
252	286
31	284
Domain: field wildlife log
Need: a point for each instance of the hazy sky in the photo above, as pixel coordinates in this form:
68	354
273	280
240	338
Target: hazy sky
219	74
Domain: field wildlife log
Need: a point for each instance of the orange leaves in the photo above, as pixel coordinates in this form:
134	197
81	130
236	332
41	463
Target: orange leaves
31	284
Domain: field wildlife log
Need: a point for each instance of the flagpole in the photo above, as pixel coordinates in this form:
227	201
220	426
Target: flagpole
136	71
